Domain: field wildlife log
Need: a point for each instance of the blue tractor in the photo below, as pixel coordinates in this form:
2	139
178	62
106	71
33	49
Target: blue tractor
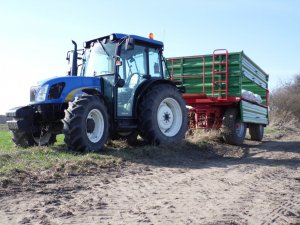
121	90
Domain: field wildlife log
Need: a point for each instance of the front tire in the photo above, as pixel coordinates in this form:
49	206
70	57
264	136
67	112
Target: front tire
162	115
86	124
233	130
25	139
22	139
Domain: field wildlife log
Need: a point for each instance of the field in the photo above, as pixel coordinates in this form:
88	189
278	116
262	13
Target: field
201	181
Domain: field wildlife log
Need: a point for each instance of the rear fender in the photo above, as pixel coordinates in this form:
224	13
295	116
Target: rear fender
143	89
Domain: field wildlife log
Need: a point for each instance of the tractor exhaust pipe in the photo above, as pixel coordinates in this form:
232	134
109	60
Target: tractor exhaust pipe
74	68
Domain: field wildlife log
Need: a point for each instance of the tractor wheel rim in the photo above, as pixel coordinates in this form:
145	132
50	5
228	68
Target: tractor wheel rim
169	117
43	139
96	134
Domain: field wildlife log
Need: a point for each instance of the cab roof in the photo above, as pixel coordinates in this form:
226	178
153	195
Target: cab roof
119	36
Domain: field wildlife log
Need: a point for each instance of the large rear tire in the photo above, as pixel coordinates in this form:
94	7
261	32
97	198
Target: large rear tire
86	124
256	131
162	115
233	130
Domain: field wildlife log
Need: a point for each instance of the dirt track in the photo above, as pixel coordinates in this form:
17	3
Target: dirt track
256	184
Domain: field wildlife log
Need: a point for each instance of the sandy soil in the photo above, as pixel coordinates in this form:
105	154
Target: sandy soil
258	183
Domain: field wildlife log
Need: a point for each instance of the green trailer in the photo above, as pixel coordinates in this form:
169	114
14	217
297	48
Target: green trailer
223	90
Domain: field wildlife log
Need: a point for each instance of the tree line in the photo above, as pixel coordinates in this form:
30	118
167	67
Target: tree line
285	103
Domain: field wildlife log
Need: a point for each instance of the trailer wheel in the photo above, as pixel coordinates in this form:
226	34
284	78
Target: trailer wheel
24	139
256	131
233	130
86	124
162	115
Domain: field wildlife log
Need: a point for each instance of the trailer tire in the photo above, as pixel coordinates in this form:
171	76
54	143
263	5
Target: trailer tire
256	131
233	130
162	115
86	124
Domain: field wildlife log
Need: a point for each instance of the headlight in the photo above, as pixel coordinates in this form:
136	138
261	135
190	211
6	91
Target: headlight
42	93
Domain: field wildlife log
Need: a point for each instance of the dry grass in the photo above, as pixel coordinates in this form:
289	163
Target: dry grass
24	165
283	119
201	135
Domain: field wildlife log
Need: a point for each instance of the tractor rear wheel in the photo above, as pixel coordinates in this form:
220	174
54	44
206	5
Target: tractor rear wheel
233	130
162	115
256	131
86	124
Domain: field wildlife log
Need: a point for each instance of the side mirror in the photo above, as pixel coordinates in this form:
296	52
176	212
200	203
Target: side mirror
68	56
120	83
129	44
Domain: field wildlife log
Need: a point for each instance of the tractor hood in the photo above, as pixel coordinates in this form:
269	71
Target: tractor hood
62	89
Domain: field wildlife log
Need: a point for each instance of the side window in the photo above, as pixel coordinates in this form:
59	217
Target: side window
165	69
133	62
138	61
154	65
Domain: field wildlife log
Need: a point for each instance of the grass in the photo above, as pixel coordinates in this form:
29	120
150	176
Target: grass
60	162
3	127
5	140
56	158
271	130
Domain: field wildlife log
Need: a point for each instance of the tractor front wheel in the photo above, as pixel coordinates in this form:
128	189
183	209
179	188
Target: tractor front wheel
25	139
86	124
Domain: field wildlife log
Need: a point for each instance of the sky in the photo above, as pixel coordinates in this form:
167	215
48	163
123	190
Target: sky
36	35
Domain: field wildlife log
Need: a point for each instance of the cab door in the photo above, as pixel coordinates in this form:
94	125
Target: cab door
133	70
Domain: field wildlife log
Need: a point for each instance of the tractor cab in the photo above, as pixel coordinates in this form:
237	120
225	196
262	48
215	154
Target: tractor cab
123	63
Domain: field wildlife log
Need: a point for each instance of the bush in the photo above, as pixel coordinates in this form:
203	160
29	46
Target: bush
285	103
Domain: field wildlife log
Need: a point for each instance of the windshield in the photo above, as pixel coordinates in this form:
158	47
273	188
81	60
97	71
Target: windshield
99	59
